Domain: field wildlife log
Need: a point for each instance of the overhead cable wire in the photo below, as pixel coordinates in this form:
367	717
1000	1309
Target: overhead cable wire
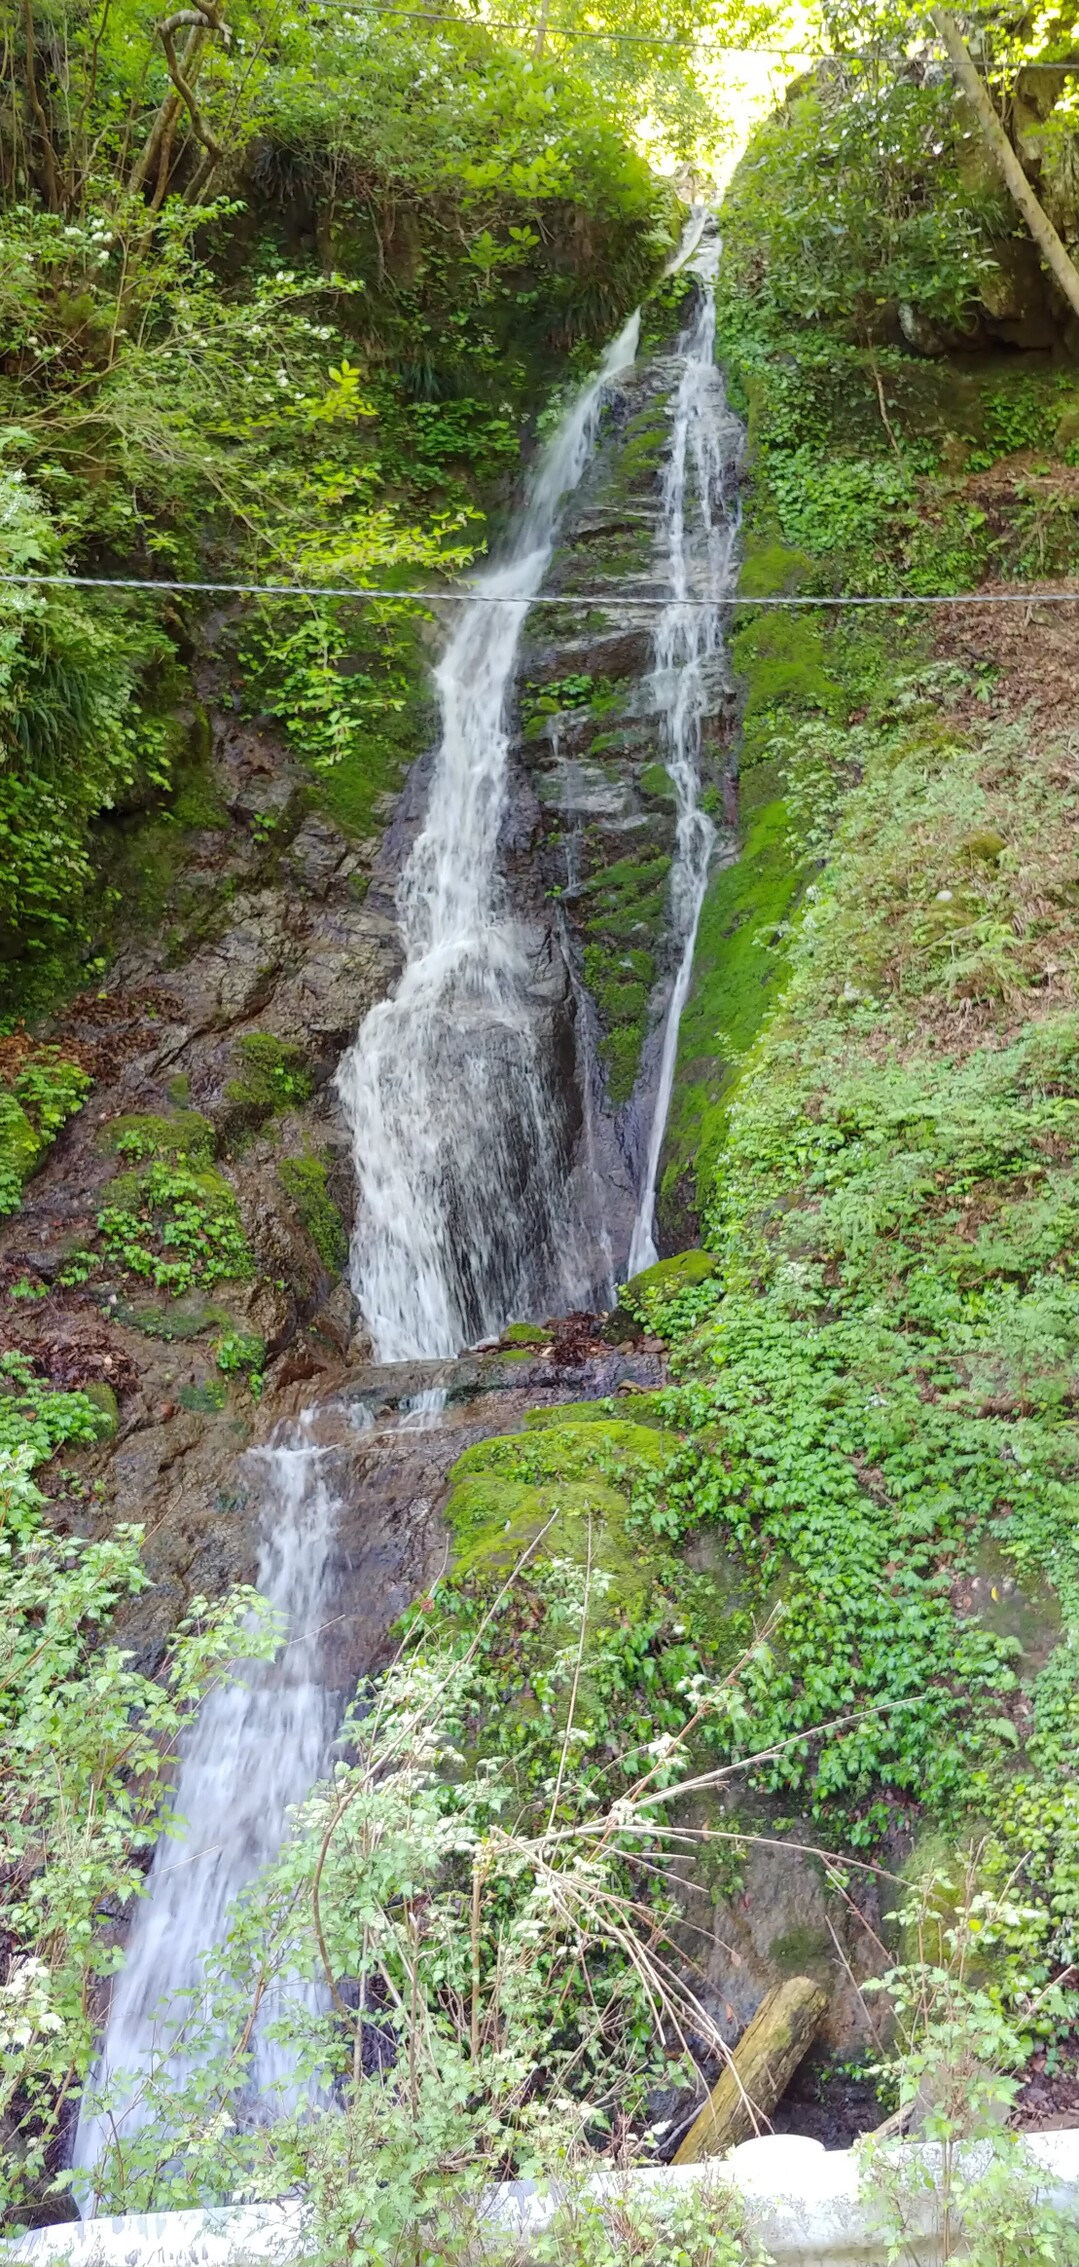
676	41
475	594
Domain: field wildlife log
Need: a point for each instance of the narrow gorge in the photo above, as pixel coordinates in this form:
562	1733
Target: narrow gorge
539	1059
499	1181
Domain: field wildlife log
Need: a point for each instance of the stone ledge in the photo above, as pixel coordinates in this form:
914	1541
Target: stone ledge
808	2207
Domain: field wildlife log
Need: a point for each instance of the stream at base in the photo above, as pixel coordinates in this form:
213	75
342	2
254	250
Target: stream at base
256	1748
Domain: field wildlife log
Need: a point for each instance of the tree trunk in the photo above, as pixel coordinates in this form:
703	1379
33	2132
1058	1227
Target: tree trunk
764	2061
1057	260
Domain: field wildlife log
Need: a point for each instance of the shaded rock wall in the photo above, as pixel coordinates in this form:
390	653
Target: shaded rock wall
592	803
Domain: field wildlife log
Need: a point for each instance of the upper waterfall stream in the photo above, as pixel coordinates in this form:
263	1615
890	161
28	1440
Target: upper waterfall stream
463	1216
700	523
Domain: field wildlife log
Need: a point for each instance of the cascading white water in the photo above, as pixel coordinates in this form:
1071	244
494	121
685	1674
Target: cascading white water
700	522
463	1218
256	1749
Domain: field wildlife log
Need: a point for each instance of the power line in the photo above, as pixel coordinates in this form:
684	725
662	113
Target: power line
676	41
580	599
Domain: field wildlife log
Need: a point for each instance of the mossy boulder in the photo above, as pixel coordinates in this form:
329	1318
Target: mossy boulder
272	1074
140	1134
637	1408
577	1476
654	1288
494	1520
104	1398
20	1148
525	1334
567	1451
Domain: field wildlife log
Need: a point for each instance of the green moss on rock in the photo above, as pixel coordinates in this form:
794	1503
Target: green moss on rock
494	1519
273	1075
104	1398
568	1450
140	1134
306	1184
655	781
636	1408
668	1277
738	971
20	1148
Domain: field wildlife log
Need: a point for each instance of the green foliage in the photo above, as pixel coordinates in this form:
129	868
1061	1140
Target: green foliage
274	1074
702	2226
962	2023
89	1747
36	1419
72	738
242	1354
44	1094
176	1226
658	1295
555	698
182	389
488	2004
836	211
306	1184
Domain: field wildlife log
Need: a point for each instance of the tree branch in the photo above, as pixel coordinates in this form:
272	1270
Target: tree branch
48	154
183	71
1057	260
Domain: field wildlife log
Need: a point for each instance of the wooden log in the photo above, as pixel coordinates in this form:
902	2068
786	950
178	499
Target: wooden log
764	2061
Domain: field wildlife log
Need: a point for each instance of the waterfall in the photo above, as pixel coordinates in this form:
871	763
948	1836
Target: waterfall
463	1219
256	1749
700	523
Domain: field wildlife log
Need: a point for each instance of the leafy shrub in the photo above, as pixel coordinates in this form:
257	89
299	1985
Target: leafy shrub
89	1755
241	1354
70	736
176	1227
836	210
36	1419
44	1094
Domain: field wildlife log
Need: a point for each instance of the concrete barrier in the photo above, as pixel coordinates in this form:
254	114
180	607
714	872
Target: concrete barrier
807	2206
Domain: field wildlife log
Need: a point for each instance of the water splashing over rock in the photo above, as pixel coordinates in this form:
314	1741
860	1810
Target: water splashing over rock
700	524
464	1219
257	1746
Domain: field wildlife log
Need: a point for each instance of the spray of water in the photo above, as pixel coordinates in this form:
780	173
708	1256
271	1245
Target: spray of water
700	523
256	1748
464	1219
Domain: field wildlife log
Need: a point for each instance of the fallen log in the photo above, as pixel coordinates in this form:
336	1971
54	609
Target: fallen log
761	2067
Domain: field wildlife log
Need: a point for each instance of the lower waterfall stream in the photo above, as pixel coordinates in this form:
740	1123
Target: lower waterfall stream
257	1746
464	1221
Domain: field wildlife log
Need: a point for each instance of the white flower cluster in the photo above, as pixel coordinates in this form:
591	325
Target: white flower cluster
25	2012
